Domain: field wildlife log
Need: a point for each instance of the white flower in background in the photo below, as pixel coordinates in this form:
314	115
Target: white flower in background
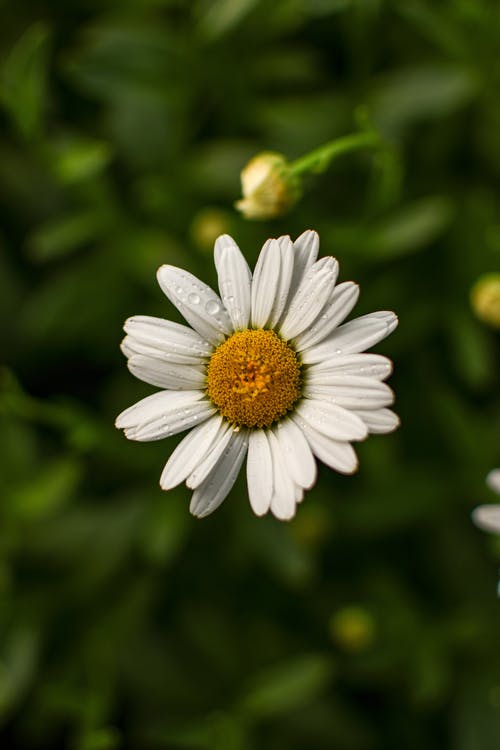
487	517
265	371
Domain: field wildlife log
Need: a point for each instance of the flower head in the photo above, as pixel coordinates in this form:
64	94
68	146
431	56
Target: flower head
269	188
266	371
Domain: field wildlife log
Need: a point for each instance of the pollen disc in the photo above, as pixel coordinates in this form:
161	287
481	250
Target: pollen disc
254	378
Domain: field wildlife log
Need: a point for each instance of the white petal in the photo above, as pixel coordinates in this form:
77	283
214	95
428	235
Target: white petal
362	365
259	472
311	296
379	421
338	455
339	305
171	424
189	453
164	339
493	480
351	392
299	494
219	445
131	347
164	414
295	449
210	494
153	406
167	374
283	499
487	517
353	337
330	419
285	278
305	250
200	305
235	280
265	283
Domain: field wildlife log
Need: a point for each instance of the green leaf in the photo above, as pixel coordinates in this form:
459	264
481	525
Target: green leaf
99	739
76	159
18	655
416	93
222	15
404	231
288	686
47	491
412	227
64	235
23	85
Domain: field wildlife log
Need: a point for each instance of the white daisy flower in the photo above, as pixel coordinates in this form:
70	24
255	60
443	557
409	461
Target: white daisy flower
487	517
268	370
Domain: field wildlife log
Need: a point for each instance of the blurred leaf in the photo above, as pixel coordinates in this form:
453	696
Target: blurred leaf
417	93
18	655
287	123
281	553
65	234
287	687
432	672
476	715
220	16
165	528
412	228
44	494
404	231
216	167
435	23
118	60
219	730
74	159
99	739
23	84
472	349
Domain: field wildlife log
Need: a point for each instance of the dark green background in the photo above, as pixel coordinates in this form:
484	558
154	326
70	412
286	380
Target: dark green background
124	622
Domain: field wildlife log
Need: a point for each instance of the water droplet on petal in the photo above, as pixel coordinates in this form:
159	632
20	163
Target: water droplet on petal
193	299
212	307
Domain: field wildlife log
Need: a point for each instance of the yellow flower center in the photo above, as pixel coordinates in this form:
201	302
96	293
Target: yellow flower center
253	378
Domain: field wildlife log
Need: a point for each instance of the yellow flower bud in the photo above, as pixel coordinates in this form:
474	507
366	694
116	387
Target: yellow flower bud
353	628
269	188
207	225
485	299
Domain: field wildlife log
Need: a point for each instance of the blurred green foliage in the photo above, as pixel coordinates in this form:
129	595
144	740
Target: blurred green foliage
124	622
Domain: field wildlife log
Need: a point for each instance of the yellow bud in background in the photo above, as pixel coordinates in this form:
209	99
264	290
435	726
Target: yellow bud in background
207	225
353	628
485	299
269	188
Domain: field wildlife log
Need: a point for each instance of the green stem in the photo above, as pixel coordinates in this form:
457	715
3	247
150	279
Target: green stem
321	157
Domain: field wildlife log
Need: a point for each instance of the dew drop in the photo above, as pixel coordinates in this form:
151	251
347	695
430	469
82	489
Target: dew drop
194	299
212	307
179	290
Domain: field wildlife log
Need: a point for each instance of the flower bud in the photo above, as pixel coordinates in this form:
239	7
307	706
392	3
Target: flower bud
269	188
207	225
485	299
353	628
